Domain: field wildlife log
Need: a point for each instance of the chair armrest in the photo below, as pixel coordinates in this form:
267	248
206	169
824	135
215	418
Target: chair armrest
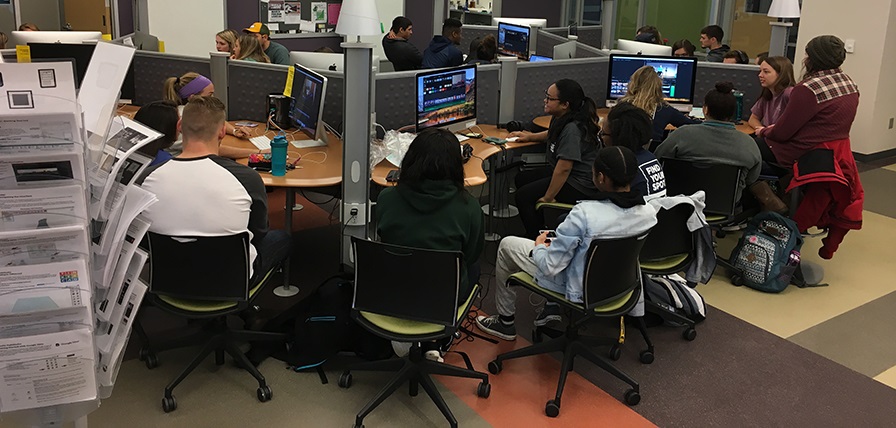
553	205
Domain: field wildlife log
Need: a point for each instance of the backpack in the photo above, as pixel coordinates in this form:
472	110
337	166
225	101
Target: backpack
672	293
768	253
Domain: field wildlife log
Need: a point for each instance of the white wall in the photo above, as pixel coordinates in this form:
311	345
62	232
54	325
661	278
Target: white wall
387	10
872	24
187	27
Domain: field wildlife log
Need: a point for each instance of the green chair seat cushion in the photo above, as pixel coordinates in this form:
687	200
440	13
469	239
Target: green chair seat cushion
664	263
715	218
413	328
206	306
556	205
527	281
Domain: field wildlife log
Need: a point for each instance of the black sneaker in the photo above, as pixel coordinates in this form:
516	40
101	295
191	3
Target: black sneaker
549	313
495	327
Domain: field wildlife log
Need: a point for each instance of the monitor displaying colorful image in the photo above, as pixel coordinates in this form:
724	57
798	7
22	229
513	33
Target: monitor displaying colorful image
447	98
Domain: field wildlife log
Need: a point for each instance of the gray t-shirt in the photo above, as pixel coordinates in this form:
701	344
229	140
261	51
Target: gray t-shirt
277	53
572	147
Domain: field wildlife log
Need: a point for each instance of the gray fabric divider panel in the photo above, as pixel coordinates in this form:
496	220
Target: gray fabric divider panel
546	42
396	97
152	68
473	32
591	35
586	51
533	79
251	83
743	76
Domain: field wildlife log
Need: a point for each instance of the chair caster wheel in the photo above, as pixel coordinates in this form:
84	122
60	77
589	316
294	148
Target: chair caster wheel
169	404
615	353
552	408
264	393
632	397
484	390
537	336
689	334
151	361
495	367
646	357
736	280
345	380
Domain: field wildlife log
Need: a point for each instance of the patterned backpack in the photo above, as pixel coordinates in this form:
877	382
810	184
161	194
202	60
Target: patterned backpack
768	253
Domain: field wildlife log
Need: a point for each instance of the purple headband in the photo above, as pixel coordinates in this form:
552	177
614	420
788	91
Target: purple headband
194	87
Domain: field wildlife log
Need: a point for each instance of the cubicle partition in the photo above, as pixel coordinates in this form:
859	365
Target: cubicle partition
251	82
534	78
473	32
587	51
589	35
396	97
544	44
152	68
743	76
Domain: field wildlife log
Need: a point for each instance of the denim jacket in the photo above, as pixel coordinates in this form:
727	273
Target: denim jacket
561	266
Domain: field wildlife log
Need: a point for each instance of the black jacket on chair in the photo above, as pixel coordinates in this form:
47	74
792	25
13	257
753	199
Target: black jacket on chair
402	54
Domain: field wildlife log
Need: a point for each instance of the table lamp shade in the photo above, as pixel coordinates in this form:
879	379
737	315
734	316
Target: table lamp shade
784	9
358	18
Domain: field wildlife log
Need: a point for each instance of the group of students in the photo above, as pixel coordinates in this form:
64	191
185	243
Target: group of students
710	39
442	50
254	45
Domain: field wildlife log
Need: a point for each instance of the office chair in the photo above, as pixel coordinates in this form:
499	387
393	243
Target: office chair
612	288
553	212
207	278
410	295
668	249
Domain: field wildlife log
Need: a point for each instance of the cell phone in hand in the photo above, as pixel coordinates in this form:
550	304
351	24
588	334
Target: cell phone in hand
551	233
392	176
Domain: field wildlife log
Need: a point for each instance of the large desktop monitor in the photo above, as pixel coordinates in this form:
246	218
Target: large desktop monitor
80	54
309	90
24	37
513	40
565	50
639	48
447	98
679	75
318	60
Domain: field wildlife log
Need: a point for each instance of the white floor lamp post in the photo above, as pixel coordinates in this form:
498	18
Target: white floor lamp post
780	29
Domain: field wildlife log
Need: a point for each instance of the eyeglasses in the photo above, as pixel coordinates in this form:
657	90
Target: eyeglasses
548	97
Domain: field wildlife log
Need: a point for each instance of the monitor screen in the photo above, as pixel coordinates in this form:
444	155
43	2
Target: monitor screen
678	75
513	40
446	98
308	90
539	58
80	54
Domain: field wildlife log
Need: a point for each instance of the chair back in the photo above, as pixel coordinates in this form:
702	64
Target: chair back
200	267
670	236
409	283
613	270
719	182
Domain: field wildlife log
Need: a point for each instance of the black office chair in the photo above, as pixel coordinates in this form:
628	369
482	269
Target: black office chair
669	249
206	278
612	288
410	295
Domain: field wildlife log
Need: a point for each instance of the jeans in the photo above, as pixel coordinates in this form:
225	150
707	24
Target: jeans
513	257
272	250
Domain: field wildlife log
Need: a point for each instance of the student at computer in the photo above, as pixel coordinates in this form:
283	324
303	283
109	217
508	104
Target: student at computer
711	38
275	51
683	47
162	116
430	208
645	90
819	115
442	50
486	51
649	34
717	141
250	50
571	147
736	57
226	41
401	53
630	127
559	265
776	79
179	90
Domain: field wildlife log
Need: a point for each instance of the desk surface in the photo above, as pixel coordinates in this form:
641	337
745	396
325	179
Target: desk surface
318	166
474	175
545	122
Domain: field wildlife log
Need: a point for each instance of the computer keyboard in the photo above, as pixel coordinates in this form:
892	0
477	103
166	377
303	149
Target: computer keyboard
262	142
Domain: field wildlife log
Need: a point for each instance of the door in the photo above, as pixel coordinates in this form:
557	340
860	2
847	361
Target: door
88	15
750	32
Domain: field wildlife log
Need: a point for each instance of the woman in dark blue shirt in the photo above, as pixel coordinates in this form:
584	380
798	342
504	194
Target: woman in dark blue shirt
645	90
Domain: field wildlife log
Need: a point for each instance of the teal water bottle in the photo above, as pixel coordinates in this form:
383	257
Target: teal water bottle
278	156
739	113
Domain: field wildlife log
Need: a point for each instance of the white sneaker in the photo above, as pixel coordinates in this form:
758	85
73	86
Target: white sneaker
434	355
401	348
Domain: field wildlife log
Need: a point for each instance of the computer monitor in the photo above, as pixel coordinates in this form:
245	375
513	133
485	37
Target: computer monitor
529	22
309	90
80	54
565	50
634	47
513	40
447	98
539	58
318	60
679	75
24	37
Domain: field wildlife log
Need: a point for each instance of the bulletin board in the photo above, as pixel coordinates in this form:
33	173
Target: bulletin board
300	15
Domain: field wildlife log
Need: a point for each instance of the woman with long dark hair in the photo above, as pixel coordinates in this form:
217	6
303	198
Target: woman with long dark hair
572	146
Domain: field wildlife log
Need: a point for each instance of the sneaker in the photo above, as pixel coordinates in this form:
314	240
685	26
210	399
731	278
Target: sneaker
549	313
493	326
434	355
